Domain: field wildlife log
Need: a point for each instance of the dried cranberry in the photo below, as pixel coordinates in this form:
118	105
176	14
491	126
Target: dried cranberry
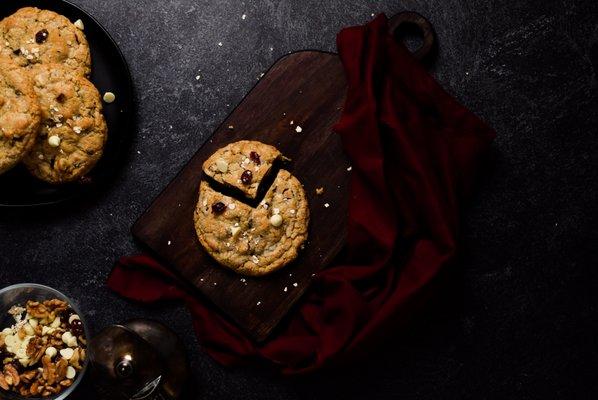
218	207
246	177
253	156
76	327
41	36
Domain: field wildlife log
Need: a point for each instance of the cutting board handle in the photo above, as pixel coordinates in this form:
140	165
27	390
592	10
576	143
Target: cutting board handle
405	22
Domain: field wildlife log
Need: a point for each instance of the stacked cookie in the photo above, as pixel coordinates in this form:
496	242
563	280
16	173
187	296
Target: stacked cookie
251	240
50	114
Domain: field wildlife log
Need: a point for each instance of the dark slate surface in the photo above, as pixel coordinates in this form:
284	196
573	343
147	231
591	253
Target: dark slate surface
518	319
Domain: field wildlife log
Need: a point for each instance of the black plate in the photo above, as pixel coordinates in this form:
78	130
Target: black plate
109	73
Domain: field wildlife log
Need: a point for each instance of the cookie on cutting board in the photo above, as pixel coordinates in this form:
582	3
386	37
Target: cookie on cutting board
251	240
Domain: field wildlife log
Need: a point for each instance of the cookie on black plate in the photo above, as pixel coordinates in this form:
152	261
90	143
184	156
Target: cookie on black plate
73	130
32	36
19	114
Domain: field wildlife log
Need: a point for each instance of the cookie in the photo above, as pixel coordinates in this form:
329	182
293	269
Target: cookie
32	36
73	130
254	241
19	114
242	165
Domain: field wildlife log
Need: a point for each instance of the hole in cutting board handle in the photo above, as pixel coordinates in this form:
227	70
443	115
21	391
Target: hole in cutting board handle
407	24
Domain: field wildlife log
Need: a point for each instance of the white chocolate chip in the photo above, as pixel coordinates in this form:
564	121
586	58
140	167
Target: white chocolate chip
109	97
29	329
222	165
232	206
51	351
55	323
70	372
234	230
79	24
73	317
276	220
66	336
72	342
33	322
77	129
67	353
54	141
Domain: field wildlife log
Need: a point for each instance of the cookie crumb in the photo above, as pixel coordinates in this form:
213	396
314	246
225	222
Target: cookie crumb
326	205
231	127
295	284
285	289
258	303
169	242
298	129
319	191
220	44
215	284
349	168
198	77
243	16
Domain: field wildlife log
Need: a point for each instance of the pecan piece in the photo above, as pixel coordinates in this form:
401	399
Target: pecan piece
49	371
11	375
3	384
66	383
61	367
37	310
27	377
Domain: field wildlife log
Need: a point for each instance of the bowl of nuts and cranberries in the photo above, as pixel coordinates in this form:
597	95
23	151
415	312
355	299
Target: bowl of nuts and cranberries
43	343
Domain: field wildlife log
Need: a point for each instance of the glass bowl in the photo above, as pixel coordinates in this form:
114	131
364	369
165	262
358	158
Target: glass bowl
19	294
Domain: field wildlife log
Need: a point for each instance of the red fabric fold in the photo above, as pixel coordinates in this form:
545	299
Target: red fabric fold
415	152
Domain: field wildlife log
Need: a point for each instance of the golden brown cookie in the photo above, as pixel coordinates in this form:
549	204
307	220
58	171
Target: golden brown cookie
32	36
254	241
73	131
19	114
242	165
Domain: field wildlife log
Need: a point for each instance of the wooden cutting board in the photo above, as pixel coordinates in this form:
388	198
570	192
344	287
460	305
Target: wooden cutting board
305	89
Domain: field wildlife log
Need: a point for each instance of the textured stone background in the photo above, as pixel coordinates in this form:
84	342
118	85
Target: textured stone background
519	319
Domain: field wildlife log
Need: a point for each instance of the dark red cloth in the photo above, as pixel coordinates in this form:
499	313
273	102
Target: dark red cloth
415	152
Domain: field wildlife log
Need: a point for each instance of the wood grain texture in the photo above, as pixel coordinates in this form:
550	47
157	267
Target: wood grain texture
307	88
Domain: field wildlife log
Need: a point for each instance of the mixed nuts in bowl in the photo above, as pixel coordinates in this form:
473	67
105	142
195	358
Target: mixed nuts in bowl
43	343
